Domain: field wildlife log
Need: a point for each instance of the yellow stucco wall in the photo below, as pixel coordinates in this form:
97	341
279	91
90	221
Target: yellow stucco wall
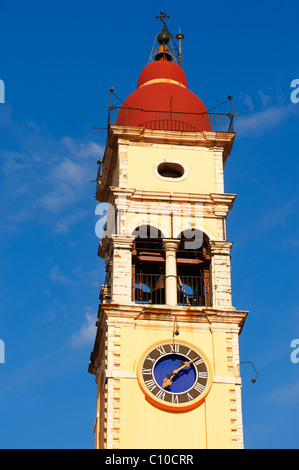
143	425
139	172
151	428
199	164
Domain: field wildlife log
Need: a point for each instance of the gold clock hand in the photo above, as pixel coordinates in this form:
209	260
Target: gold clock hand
168	380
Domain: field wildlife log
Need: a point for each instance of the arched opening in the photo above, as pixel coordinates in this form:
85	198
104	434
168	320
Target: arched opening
193	269
148	266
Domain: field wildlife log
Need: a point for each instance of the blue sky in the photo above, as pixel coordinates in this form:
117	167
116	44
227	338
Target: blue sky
58	61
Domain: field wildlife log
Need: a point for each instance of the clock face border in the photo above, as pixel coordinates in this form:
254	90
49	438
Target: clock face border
153	398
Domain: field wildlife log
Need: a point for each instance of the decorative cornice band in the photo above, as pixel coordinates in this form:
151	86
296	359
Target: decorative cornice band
162	80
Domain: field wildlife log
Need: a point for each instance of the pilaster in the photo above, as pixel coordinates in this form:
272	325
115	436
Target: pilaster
221	273
122	268
218	155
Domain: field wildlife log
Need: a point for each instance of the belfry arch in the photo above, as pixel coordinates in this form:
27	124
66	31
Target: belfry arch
191	270
148	265
193	258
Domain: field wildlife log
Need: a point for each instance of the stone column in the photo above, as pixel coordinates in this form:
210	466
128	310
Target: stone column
221	273
122	268
170	246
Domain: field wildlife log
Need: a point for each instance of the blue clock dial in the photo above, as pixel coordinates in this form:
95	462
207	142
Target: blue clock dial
182	381
175	376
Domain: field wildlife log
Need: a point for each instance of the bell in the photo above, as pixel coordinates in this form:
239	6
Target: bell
163	53
160	284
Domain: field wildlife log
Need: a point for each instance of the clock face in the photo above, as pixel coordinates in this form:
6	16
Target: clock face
174	376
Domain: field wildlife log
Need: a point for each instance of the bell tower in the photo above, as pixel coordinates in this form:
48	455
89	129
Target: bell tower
166	352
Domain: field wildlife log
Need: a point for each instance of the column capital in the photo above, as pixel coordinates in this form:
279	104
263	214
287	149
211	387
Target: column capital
221	247
121	241
170	244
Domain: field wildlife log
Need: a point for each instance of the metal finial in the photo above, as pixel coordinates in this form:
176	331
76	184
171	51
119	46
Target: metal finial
163	38
163	16
180	36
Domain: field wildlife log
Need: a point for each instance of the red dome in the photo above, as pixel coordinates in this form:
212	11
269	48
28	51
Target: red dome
163	101
162	69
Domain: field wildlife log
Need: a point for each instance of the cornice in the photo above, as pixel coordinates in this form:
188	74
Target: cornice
132	313
165	196
130	133
162	317
217	203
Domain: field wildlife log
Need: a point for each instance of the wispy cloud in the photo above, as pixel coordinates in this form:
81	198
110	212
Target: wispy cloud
266	99
44	179
69	175
76	276
267	110
288	393
81	149
86	333
67	221
57	276
31	374
248	101
262	121
275	216
267	220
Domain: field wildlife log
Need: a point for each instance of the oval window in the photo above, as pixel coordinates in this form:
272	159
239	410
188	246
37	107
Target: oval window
170	170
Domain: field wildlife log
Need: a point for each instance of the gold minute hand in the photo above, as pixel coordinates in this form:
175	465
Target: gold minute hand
168	380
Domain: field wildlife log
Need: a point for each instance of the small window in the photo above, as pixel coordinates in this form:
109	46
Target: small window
170	170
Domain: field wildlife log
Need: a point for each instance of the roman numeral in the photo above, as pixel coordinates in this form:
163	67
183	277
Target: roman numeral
203	375
199	387
175	399
174	347
151	359
150	384
161	350
199	361
190	397
146	371
160	394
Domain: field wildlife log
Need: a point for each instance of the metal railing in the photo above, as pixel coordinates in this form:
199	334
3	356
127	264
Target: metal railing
191	291
150	289
171	120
